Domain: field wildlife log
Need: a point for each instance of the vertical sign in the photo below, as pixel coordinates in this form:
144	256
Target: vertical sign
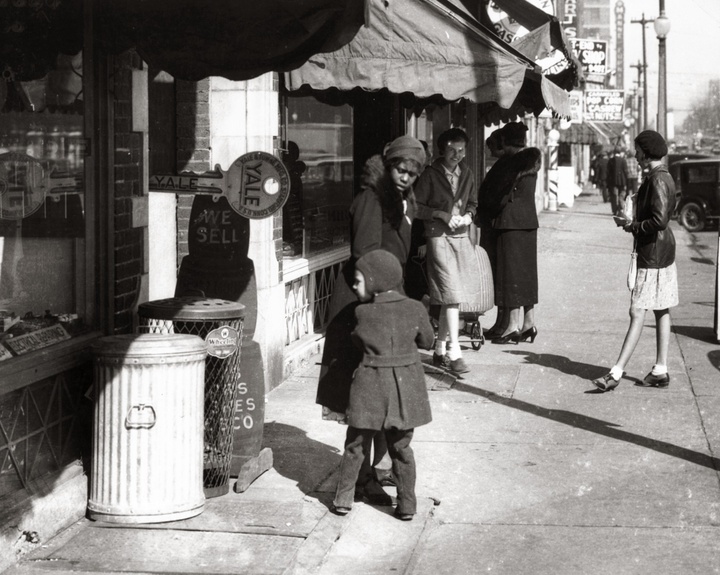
620	45
568	13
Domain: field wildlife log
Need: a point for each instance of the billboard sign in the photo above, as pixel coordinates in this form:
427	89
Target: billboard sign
604	105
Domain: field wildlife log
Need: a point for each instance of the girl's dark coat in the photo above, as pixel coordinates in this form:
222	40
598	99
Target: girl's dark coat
388	390
377	221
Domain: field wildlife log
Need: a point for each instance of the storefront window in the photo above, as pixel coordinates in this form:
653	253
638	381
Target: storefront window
42	212
319	158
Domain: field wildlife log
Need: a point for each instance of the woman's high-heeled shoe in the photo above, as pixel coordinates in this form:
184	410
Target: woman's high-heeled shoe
512	337
530	334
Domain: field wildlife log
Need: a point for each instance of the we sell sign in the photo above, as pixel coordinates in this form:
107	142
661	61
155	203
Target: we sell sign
604	105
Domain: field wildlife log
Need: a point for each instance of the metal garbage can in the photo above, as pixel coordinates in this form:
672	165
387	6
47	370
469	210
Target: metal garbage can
220	323
147	453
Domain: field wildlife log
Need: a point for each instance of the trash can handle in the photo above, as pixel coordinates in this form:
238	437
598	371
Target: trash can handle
140	416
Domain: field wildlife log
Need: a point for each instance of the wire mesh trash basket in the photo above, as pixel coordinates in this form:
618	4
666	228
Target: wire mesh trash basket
220	323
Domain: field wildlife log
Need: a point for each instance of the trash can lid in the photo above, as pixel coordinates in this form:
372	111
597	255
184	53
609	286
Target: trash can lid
192	308
149	345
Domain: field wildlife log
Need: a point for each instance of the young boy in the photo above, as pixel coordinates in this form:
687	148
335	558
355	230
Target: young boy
388	393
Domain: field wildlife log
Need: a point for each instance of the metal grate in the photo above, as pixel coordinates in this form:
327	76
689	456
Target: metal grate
221	376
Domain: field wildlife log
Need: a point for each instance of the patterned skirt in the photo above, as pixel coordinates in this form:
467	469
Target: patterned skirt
655	288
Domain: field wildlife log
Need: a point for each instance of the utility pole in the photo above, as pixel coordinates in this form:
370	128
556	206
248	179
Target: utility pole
640	68
644	23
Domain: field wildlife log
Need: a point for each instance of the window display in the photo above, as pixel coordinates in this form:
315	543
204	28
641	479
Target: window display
319	158
42	214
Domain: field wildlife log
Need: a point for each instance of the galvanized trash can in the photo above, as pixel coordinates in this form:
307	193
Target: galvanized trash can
219	322
147	454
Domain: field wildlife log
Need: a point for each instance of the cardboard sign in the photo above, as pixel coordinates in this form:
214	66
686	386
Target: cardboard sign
37	339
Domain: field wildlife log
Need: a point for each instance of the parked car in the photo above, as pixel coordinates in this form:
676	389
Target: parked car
697	185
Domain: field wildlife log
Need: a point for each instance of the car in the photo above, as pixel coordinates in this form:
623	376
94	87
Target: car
697	185
676	157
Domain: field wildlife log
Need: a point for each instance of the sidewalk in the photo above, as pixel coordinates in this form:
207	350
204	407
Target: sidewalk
524	469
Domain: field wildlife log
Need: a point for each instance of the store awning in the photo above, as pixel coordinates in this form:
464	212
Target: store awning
239	40
190	39
545	35
432	49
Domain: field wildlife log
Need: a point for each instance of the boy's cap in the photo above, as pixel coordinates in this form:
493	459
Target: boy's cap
382	271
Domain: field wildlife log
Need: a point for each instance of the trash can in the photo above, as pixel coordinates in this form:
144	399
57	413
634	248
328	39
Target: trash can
147	448
219	322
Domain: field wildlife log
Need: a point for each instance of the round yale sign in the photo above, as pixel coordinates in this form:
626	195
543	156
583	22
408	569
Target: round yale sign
258	185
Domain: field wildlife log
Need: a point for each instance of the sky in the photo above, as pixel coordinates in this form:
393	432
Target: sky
693	51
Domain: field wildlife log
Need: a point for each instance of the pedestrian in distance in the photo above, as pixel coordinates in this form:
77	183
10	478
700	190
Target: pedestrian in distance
633	173
380	217
446	202
600	174
656	286
388	394
617	177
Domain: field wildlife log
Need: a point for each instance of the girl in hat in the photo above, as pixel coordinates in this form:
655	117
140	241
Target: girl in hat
380	217
388	395
656	285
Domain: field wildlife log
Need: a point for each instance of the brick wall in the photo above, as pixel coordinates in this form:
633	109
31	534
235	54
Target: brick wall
193	145
128	174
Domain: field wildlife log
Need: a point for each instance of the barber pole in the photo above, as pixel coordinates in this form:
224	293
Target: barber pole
553	172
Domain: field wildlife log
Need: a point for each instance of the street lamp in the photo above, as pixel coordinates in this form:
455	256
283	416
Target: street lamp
662	29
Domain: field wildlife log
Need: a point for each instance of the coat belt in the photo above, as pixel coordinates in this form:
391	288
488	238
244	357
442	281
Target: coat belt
390	360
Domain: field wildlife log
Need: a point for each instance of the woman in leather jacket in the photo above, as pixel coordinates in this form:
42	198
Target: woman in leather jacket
656	284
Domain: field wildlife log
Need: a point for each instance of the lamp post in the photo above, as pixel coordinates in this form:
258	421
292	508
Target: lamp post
662	29
643	22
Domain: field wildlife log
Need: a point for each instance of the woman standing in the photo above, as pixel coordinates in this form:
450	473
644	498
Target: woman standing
516	226
656	285
380	218
446	202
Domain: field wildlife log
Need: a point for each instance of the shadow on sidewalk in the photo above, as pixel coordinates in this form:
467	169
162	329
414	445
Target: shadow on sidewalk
593	425
700	333
306	461
563	364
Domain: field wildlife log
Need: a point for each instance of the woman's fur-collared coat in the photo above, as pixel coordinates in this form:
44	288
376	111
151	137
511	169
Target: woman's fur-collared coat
518	211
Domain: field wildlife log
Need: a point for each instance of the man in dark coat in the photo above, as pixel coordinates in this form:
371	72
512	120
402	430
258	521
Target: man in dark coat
617	179
600	174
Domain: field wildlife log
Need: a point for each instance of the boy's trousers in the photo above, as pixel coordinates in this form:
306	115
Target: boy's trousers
357	443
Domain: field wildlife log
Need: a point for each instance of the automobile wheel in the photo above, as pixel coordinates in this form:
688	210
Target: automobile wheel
692	217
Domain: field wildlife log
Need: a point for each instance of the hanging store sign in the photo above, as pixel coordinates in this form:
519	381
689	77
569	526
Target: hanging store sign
592	54
604	105
256	186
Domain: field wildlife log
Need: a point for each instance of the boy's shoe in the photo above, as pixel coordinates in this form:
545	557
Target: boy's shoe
403	516
655	380
441	360
606	382
458	365
340	510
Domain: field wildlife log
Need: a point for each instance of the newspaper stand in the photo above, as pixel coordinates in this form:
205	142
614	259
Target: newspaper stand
219	322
